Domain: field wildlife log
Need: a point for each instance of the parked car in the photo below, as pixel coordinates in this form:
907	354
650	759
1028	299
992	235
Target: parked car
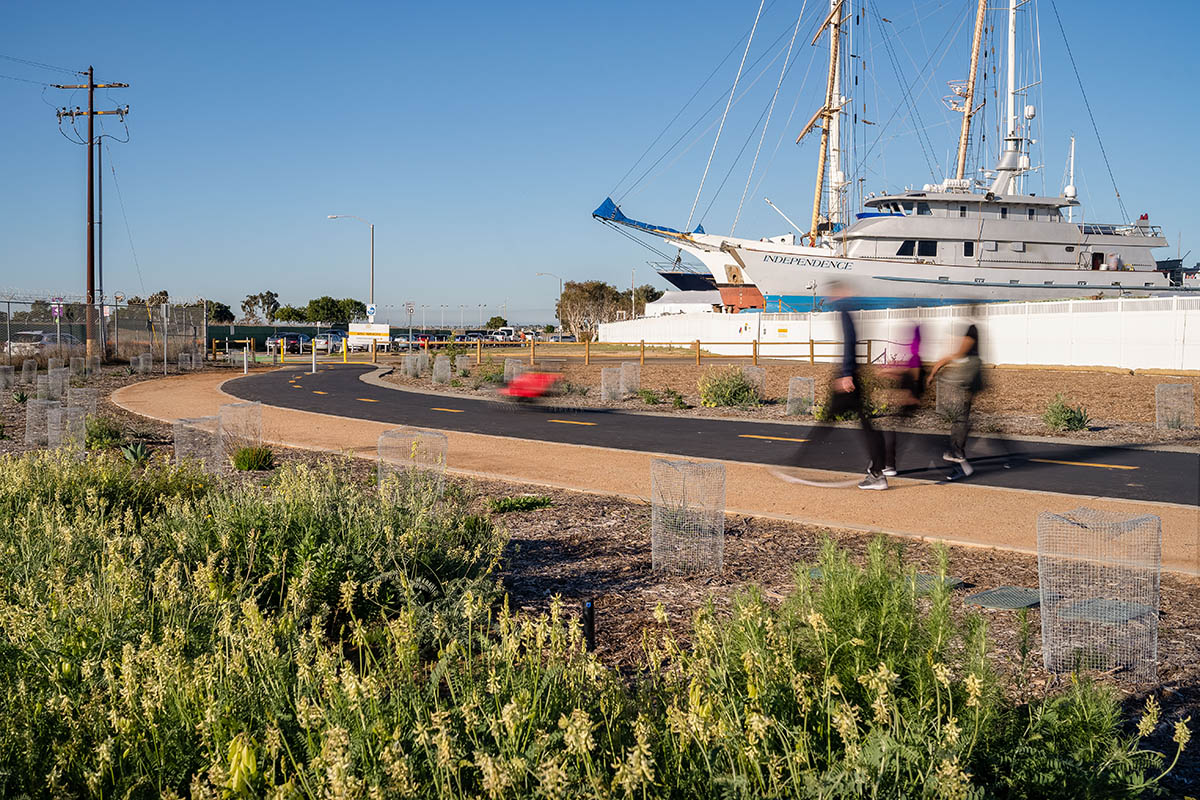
288	342
329	342
28	344
401	342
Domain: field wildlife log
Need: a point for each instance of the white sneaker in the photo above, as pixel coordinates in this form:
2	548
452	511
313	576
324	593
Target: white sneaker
950	456
877	482
890	472
965	470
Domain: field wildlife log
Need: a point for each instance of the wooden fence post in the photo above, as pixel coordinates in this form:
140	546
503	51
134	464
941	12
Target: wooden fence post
755	353
868	351
532	350
587	352
643	354
478	352
697	343
812	354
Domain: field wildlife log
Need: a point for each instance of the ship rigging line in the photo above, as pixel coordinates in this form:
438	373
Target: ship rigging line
770	111
728	103
633	238
1091	116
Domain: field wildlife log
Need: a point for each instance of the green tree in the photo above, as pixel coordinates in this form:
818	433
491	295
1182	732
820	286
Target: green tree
218	312
548	329
324	309
249	308
291	314
585	304
496	322
158	298
268	301
351	309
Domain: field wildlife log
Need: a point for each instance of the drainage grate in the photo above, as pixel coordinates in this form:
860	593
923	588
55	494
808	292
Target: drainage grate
1006	597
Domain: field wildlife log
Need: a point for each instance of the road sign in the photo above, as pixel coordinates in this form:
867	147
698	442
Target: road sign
371	310
410	308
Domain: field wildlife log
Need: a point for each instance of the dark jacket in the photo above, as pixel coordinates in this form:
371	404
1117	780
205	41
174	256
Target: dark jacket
849	367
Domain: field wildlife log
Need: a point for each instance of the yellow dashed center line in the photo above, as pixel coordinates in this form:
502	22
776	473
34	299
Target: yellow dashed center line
318	391
448	410
367	400
770	438
1081	464
569	422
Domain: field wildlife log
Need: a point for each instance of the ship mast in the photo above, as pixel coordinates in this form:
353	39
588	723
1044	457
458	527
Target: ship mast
826	113
1010	165
968	109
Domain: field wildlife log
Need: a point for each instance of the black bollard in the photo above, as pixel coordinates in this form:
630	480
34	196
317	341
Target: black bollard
589	624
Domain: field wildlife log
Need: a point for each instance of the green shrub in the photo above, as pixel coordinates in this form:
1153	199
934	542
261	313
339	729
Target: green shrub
1061	417
162	637
727	386
254	458
869	387
102	433
649	397
455	383
136	453
20	396
502	505
675	399
489	372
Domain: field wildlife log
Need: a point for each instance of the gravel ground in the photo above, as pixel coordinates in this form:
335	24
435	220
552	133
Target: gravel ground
1120	405
586	546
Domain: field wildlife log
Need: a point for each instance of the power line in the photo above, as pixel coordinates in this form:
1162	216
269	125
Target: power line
39	64
24	80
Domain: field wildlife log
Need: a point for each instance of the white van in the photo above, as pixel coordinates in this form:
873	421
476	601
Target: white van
505	334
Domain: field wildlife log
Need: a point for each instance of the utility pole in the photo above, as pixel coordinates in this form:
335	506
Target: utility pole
91	114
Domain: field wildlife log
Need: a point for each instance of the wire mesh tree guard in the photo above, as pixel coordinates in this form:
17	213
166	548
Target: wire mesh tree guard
93	367
801	395
8	377
41	387
462	364
185	362
513	368
66	428
36	419
29	371
610	384
1098	575
1175	406
54	363
631	378
197	441
145	363
239	425
78	367
441	369
412	460
756	377
83	398
57	382
422	362
411	368
687	516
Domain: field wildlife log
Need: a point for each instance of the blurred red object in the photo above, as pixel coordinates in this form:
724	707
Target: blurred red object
531	384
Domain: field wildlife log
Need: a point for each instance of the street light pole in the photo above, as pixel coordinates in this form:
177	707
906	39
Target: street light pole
560	290
462	311
481	315
443	315
371	225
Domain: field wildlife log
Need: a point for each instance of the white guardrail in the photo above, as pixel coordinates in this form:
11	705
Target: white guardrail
1151	333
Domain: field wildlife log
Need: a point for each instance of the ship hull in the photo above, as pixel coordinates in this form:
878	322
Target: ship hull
795	280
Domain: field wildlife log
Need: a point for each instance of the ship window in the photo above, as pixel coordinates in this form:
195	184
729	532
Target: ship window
906	248
962	211
908	207
1004	213
1018	247
927	248
923	210
1032	213
1070	248
989	245
969	249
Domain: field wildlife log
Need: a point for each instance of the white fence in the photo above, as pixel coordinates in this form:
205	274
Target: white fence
1154	333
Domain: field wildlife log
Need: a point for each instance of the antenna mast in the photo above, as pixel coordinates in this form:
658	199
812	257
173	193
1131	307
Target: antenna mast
1069	191
968	109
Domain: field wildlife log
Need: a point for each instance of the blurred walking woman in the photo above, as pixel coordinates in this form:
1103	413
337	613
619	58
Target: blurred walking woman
964	378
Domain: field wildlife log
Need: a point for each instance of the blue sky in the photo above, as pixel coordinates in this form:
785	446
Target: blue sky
479	136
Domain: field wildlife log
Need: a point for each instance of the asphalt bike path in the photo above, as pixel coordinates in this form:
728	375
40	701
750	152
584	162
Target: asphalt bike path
1082	469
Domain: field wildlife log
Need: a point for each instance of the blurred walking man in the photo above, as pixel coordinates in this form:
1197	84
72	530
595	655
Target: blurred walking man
964	377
